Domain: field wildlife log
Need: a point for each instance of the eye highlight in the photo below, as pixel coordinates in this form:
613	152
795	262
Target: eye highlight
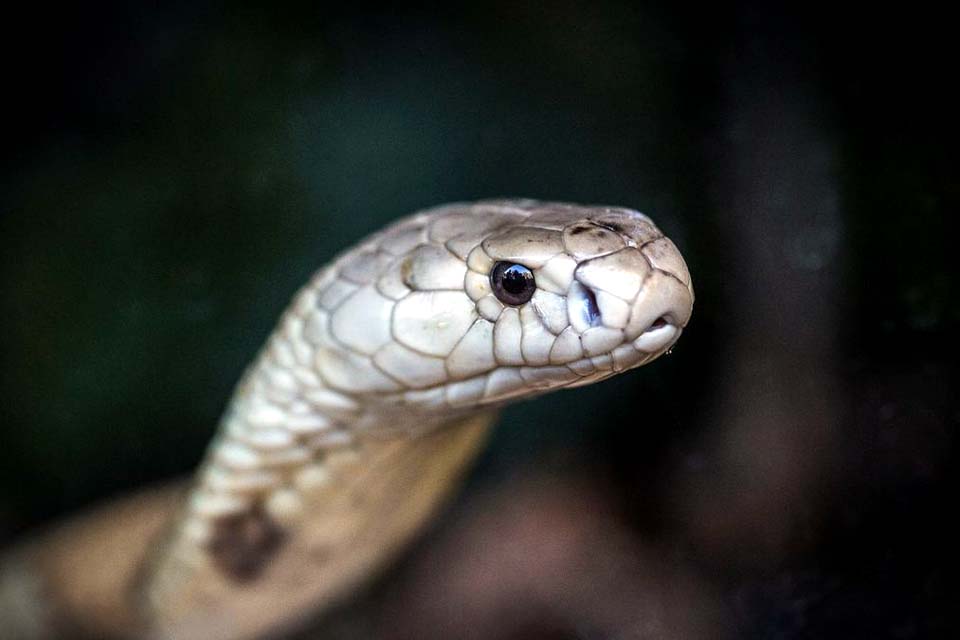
512	283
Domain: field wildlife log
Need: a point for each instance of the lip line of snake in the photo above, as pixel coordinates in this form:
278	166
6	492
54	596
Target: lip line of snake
573	366
670	324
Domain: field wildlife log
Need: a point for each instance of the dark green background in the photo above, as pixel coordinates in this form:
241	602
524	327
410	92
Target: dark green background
170	176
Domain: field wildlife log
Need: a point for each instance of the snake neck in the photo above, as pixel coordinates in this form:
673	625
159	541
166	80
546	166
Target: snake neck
304	485
305	492
285	432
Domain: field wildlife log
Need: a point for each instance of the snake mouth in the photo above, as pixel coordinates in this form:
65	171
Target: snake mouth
659	335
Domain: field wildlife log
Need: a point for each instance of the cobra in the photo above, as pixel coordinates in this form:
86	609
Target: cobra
357	418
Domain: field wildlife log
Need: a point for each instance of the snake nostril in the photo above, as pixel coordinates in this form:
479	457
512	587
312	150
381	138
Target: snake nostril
584	310
590	308
658	323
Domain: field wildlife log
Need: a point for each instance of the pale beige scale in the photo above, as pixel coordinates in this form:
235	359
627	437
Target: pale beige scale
373	394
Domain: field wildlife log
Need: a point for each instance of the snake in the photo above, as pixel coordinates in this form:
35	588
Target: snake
358	418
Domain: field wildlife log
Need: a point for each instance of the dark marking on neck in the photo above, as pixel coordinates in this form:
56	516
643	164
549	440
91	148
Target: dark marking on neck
242	545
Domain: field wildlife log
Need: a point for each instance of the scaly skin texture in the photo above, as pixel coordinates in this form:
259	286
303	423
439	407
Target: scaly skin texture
368	401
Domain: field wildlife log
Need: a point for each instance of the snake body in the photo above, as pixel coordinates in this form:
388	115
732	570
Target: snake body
363	408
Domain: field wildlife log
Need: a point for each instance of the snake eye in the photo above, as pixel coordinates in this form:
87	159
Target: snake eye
512	283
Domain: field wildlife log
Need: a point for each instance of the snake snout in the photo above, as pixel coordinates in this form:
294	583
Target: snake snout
644	292
660	312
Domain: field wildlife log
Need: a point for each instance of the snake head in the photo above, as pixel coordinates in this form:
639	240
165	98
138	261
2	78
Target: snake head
607	292
476	303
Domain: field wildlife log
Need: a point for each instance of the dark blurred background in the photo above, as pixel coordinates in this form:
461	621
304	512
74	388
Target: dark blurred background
172	172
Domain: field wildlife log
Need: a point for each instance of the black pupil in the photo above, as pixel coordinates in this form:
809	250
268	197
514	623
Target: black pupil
515	279
512	283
